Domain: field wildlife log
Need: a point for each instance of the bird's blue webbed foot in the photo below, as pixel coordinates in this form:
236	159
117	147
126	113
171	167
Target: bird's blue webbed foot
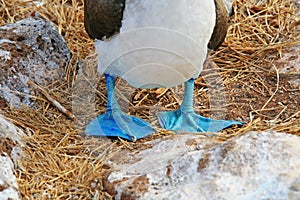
185	119
192	122
115	123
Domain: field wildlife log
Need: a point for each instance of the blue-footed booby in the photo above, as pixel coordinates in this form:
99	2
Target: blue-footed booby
150	44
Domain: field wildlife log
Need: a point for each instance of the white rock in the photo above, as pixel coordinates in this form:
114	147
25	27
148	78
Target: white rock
8	181
253	166
30	49
8	160
9	130
4	55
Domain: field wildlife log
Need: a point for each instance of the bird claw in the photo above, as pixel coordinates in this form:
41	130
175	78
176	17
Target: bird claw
119	125
191	122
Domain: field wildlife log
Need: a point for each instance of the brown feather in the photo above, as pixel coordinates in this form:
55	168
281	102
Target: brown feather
103	18
220	30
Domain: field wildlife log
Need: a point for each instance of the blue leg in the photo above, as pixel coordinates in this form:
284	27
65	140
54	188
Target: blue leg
116	123
185	119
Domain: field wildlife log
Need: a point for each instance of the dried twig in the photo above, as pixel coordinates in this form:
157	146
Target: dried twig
53	101
276	90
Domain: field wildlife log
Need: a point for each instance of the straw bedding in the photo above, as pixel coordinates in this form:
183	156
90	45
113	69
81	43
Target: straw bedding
60	163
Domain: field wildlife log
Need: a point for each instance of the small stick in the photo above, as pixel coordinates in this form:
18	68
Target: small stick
54	102
277	88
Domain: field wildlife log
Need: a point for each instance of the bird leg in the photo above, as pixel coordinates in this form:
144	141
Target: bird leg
114	122
185	119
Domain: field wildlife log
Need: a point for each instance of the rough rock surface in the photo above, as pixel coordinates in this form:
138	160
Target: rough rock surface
257	165
30	49
10	153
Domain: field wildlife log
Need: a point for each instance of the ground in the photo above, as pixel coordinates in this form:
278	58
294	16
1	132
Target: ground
251	69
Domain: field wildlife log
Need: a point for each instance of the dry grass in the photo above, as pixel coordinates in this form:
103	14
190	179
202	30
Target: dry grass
59	163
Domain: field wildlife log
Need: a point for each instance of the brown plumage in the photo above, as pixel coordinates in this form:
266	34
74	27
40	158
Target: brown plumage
103	18
220	30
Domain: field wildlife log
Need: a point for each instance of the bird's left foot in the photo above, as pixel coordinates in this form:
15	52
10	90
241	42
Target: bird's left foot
192	122
185	118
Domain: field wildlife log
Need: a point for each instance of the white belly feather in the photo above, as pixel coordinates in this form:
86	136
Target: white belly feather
162	43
